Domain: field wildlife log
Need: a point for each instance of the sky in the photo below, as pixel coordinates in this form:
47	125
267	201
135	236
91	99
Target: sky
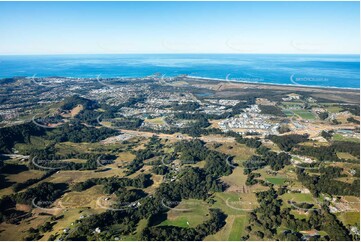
179	27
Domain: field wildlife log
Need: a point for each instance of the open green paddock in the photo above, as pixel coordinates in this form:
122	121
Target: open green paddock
304	114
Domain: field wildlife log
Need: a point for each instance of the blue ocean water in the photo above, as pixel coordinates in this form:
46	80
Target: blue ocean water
341	71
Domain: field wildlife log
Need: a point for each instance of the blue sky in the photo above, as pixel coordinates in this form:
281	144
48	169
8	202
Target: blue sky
179	27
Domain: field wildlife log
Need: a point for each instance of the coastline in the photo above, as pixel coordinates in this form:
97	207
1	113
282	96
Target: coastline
207	79
342	71
274	84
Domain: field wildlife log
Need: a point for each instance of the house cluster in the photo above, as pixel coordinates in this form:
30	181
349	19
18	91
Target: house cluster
340	204
253	109
8	114
144	112
168	98
251	123
117	95
175	169
223	102
214	109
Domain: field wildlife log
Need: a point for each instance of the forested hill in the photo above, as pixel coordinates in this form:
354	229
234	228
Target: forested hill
9	136
71	102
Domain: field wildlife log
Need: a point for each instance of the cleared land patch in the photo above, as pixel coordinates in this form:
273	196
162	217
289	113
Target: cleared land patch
304	114
188	213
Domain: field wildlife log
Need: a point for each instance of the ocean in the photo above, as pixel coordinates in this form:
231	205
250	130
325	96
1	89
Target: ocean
342	71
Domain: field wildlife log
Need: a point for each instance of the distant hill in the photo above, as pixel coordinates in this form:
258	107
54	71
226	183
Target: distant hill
73	101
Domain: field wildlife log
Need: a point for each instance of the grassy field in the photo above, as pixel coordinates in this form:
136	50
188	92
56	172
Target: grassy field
124	158
188	213
280	177
199	164
347	156
70	215
157	180
238	226
333	109
299	214
314	143
87	198
239	151
155	120
349	218
11	232
340	137
18	231
304	114
179	222
298	197
24	176
344	165
272	146
276	180
233	230
288	113
68	147
35	143
236	180
16	172
75	111
233	203
348	179
80	176
136	236
354	202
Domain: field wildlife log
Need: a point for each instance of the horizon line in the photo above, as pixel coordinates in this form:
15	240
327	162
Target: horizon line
188	53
